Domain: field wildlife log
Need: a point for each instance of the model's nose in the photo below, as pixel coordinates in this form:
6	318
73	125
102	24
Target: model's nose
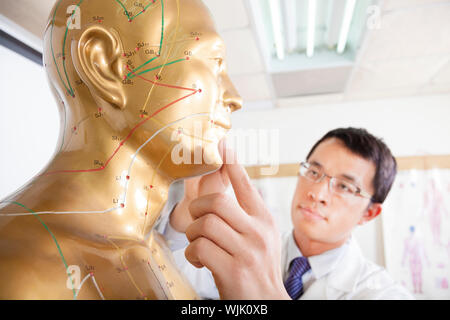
231	97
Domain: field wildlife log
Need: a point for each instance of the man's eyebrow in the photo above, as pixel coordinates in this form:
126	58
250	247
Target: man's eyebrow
315	163
348	177
344	175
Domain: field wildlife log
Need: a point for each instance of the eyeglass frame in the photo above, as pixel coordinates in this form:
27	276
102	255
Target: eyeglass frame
359	191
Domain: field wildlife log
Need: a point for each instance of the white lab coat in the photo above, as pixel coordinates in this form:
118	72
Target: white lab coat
353	278
351	275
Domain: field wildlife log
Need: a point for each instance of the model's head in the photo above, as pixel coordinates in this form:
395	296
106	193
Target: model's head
346	177
154	72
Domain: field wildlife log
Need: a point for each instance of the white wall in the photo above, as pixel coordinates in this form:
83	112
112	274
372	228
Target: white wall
29	121
409	126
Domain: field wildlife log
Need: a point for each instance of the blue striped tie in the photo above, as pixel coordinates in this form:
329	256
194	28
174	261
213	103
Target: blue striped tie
294	284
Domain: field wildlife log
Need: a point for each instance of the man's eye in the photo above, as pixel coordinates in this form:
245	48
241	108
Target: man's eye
345	188
313	173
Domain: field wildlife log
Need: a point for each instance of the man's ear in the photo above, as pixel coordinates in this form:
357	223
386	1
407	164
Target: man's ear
371	212
97	61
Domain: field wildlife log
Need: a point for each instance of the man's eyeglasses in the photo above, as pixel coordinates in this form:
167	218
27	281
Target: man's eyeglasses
337	185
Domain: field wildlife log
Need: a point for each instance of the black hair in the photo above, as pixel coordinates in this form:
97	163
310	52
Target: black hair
369	147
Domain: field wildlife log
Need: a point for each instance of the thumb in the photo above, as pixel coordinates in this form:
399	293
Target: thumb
191	188
216	182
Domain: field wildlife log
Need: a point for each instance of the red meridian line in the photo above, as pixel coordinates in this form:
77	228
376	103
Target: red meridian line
158	83
70	171
123	141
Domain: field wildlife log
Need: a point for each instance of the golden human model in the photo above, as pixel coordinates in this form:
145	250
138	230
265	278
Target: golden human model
140	85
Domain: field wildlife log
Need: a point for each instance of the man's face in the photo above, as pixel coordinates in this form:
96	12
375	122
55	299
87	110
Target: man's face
321	215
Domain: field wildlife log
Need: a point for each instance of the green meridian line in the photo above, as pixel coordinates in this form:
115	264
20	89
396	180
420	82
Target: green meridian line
53	236
130	73
64	48
51	46
160	66
68	87
57	69
71	92
64	61
140	12
124	9
162	26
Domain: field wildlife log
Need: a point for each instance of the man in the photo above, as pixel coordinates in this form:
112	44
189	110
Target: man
342	184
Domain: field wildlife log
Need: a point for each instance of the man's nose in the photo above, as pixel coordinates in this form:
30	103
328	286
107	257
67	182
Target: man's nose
320	191
231	97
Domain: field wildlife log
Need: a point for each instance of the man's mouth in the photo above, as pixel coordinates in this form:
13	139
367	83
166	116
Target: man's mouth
311	213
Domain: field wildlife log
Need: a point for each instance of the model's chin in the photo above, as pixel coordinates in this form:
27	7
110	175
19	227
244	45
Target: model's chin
195	157
211	154
202	160
211	159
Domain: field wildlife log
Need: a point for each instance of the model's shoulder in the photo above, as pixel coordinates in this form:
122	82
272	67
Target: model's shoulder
28	272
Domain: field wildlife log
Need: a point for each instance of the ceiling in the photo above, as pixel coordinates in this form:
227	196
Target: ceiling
409	54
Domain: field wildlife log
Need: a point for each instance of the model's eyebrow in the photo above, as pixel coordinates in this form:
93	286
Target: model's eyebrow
219	45
219	52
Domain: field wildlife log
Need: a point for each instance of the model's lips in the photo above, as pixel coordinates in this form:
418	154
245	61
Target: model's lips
222	121
222	124
311	213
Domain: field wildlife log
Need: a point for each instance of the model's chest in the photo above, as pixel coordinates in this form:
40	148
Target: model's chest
117	269
127	272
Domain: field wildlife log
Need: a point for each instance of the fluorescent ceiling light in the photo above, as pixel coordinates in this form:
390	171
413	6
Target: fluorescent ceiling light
290	13
348	15
275	13
310	41
334	23
304	34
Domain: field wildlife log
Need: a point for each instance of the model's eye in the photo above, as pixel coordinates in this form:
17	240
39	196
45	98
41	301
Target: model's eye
219	62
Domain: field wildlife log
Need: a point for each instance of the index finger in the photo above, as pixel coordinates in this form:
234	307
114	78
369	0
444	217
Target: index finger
246	194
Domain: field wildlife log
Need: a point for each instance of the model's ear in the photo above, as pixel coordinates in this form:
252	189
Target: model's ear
97	61
372	212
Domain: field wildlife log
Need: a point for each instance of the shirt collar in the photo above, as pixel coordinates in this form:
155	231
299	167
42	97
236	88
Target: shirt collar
321	264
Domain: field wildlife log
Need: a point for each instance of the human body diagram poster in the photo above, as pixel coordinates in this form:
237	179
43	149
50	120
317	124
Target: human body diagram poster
416	232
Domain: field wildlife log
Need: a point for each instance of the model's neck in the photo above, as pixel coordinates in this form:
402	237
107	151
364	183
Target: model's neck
99	182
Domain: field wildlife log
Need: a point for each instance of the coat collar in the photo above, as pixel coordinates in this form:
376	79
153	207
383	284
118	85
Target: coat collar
335	271
321	264
346	274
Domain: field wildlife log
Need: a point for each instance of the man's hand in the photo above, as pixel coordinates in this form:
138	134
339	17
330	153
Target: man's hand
237	241
197	187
